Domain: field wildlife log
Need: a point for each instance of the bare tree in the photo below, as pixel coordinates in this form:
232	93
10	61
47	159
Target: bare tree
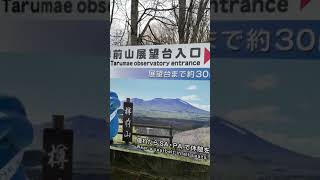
162	21
112	11
200	15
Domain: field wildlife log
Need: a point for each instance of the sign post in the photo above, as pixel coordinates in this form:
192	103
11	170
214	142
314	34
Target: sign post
58	147
127	121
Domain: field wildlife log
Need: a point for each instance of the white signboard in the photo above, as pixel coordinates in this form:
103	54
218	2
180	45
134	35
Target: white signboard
161	56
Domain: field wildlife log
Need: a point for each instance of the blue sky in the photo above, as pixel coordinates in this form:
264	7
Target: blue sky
196	93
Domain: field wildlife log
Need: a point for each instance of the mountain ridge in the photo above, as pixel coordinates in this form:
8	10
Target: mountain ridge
168	108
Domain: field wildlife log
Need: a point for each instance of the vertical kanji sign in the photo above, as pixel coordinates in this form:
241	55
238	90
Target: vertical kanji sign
58	147
127	121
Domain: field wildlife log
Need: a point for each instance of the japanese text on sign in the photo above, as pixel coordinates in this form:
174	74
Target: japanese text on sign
179	74
179	55
261	40
270	39
127	121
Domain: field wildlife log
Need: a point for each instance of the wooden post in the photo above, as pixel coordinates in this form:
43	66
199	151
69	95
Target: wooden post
57	142
127	140
171	134
58	122
127	121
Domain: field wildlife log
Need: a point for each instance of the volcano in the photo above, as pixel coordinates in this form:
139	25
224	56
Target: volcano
237	150
168	108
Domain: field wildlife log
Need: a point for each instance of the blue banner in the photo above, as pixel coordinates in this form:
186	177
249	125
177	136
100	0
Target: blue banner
163	73
266	39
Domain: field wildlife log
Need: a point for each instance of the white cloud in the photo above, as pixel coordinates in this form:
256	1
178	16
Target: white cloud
201	106
192	87
192	97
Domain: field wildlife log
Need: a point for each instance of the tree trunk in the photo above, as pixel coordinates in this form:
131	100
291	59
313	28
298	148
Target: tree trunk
202	7
181	22
134	22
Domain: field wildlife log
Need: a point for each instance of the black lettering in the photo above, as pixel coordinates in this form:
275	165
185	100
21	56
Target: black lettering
46	6
257	4
271	6
195	52
68	7
6	2
232	4
24	3
249	6
92	7
214	5
245	6
224	7
102	7
34	7
15	7
82	6
283	5
57	7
